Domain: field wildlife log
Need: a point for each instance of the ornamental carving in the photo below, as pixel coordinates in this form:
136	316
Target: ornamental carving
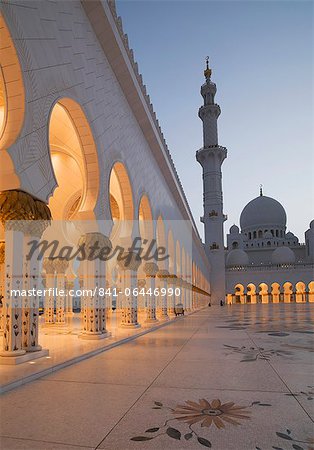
129	261
151	269
141	283
48	266
163	274
90	239
2	252
60	265
17	205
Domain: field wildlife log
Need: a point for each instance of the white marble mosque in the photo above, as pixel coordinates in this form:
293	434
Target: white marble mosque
80	144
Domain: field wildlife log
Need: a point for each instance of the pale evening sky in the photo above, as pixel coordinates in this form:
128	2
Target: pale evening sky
262	59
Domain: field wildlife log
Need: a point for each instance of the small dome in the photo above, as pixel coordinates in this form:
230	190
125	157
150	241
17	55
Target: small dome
268	235
312	224
283	255
290	235
237	257
263	211
234	230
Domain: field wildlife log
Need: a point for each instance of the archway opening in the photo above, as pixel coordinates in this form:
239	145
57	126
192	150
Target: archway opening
263	293
275	292
145	218
311	291
74	161
300	294
239	293
161	242
287	292
251	293
121	202
12	106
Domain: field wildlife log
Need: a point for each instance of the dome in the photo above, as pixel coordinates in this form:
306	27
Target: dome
312	224
234	230
283	255
291	236
263	211
237	257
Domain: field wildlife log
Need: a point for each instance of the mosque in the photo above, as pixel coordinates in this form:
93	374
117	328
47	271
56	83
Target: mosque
262	263
83	161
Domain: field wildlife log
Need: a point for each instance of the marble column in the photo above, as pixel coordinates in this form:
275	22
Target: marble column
92	273
17	211
32	282
2	284
12	334
162	277
150	270
60	266
171	298
69	284
129	264
49	267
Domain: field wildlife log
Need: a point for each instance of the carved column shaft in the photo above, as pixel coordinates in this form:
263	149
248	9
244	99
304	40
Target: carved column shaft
60	266
150	270
163	310
49	268
2	284
92	276
129	265
30	312
12	335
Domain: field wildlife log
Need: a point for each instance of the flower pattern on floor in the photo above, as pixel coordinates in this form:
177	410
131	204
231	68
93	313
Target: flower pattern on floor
254	353
293	443
204	413
213	412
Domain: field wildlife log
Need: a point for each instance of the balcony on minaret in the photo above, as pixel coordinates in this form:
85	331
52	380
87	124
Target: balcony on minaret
207	152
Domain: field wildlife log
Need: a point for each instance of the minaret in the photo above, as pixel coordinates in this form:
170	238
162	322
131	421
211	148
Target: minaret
211	157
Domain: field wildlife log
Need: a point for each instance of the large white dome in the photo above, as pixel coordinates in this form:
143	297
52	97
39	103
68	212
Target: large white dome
263	211
283	255
237	257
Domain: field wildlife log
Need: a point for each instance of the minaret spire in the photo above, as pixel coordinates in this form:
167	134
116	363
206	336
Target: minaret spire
211	157
207	71
261	190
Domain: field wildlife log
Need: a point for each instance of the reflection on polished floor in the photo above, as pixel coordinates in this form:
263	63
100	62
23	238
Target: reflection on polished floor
65	347
237	377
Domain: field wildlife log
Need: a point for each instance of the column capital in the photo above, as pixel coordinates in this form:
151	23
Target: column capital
129	261
163	273
2	252
60	265
141	283
48	266
93	238
150	269
18	205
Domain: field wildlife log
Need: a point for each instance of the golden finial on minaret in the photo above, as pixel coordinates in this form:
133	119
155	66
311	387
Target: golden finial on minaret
207	71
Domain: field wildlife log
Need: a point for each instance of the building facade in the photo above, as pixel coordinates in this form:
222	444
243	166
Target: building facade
264	262
80	142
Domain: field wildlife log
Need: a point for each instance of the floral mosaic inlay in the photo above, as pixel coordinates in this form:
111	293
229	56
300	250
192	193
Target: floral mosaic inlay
203	413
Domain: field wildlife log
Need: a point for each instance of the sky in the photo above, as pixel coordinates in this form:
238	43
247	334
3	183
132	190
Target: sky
261	54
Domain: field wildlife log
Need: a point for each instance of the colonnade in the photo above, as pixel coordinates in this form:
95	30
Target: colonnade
299	292
145	285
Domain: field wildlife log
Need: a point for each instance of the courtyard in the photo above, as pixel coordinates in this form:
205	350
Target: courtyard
233	377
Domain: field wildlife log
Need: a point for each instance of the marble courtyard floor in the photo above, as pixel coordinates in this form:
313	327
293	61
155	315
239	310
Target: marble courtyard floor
238	377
